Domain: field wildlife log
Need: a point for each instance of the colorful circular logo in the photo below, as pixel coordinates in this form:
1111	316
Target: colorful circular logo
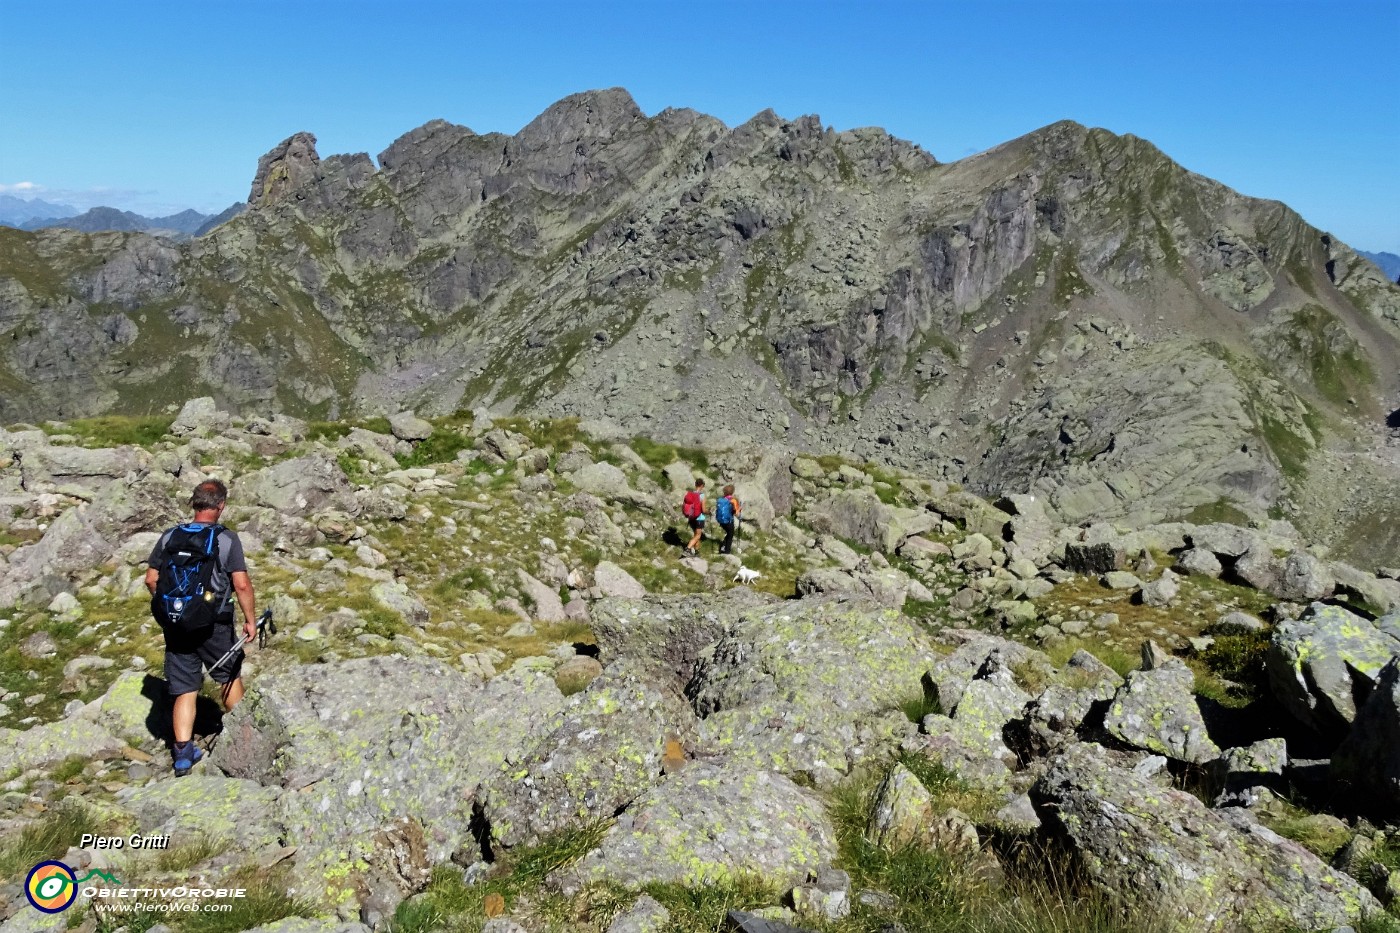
51	887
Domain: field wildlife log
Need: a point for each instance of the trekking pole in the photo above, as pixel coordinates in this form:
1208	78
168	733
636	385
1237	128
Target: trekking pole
265	628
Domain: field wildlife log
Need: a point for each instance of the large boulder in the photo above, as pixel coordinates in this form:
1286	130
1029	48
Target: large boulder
762	482
51	743
378	449
605	754
206	805
885	586
85	537
358	758
901	811
199	416
977	724
1225	540
81	466
607	482
302	486
1156	710
950	674
407	426
1318	665
1377	593
612	580
973	513
807	686
1030	531
397	598
665	636
716	819
859	515
1162	851
1369	757
134	707
547	606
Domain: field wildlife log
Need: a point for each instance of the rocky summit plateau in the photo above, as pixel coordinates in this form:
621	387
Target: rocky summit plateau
1070	479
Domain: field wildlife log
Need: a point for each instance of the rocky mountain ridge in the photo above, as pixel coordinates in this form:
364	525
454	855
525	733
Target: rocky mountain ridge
929	710
1070	312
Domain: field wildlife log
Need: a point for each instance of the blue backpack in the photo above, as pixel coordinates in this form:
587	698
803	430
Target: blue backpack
724	510
185	599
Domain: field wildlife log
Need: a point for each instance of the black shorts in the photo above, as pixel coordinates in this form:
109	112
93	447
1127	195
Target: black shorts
186	658
696	524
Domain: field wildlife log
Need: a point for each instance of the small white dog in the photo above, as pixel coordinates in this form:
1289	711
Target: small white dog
745	575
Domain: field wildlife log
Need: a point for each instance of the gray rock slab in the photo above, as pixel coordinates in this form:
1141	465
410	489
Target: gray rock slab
1158	849
354	757
714	819
605	754
1319	664
1156	711
45	745
807	685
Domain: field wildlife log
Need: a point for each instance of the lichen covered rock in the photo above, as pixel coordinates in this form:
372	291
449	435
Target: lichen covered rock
714	821
1156	710
51	743
1319	664
1161	850
359	756
606	753
806	686
207	805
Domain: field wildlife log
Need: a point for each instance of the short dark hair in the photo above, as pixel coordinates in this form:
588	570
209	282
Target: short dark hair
209	494
699	482
729	490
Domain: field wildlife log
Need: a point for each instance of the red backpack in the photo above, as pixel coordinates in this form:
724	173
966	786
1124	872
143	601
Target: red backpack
693	505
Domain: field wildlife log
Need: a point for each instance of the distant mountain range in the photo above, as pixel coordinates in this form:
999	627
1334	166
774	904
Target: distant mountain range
15	211
1389	263
38	215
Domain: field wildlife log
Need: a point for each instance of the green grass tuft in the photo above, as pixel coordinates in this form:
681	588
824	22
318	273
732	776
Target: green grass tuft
119	430
441	447
267	901
48	838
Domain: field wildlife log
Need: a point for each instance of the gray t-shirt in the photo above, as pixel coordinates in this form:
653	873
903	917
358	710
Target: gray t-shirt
230	560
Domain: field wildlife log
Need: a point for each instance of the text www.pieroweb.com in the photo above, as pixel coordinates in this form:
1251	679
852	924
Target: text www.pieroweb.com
162	900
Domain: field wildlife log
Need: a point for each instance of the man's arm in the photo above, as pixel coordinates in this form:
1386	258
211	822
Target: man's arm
152	578
243	590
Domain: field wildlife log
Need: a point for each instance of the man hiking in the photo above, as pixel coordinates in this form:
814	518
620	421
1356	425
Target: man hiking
194	573
693	508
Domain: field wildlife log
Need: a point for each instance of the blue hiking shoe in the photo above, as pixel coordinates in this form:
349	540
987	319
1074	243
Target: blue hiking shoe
185	755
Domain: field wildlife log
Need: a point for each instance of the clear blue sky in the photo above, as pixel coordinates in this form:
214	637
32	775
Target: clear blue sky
157	106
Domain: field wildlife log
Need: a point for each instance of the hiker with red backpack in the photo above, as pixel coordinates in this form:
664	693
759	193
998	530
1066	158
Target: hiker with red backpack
693	508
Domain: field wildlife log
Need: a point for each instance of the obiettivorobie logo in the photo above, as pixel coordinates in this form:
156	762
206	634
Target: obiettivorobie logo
52	887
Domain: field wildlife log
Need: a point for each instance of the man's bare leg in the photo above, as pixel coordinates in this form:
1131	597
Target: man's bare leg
231	693
184	716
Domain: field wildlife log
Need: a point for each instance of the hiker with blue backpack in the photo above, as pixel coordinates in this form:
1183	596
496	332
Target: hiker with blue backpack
727	510
195	573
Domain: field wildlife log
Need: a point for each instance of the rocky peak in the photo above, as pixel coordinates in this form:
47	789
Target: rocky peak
423	146
590	115
284	168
